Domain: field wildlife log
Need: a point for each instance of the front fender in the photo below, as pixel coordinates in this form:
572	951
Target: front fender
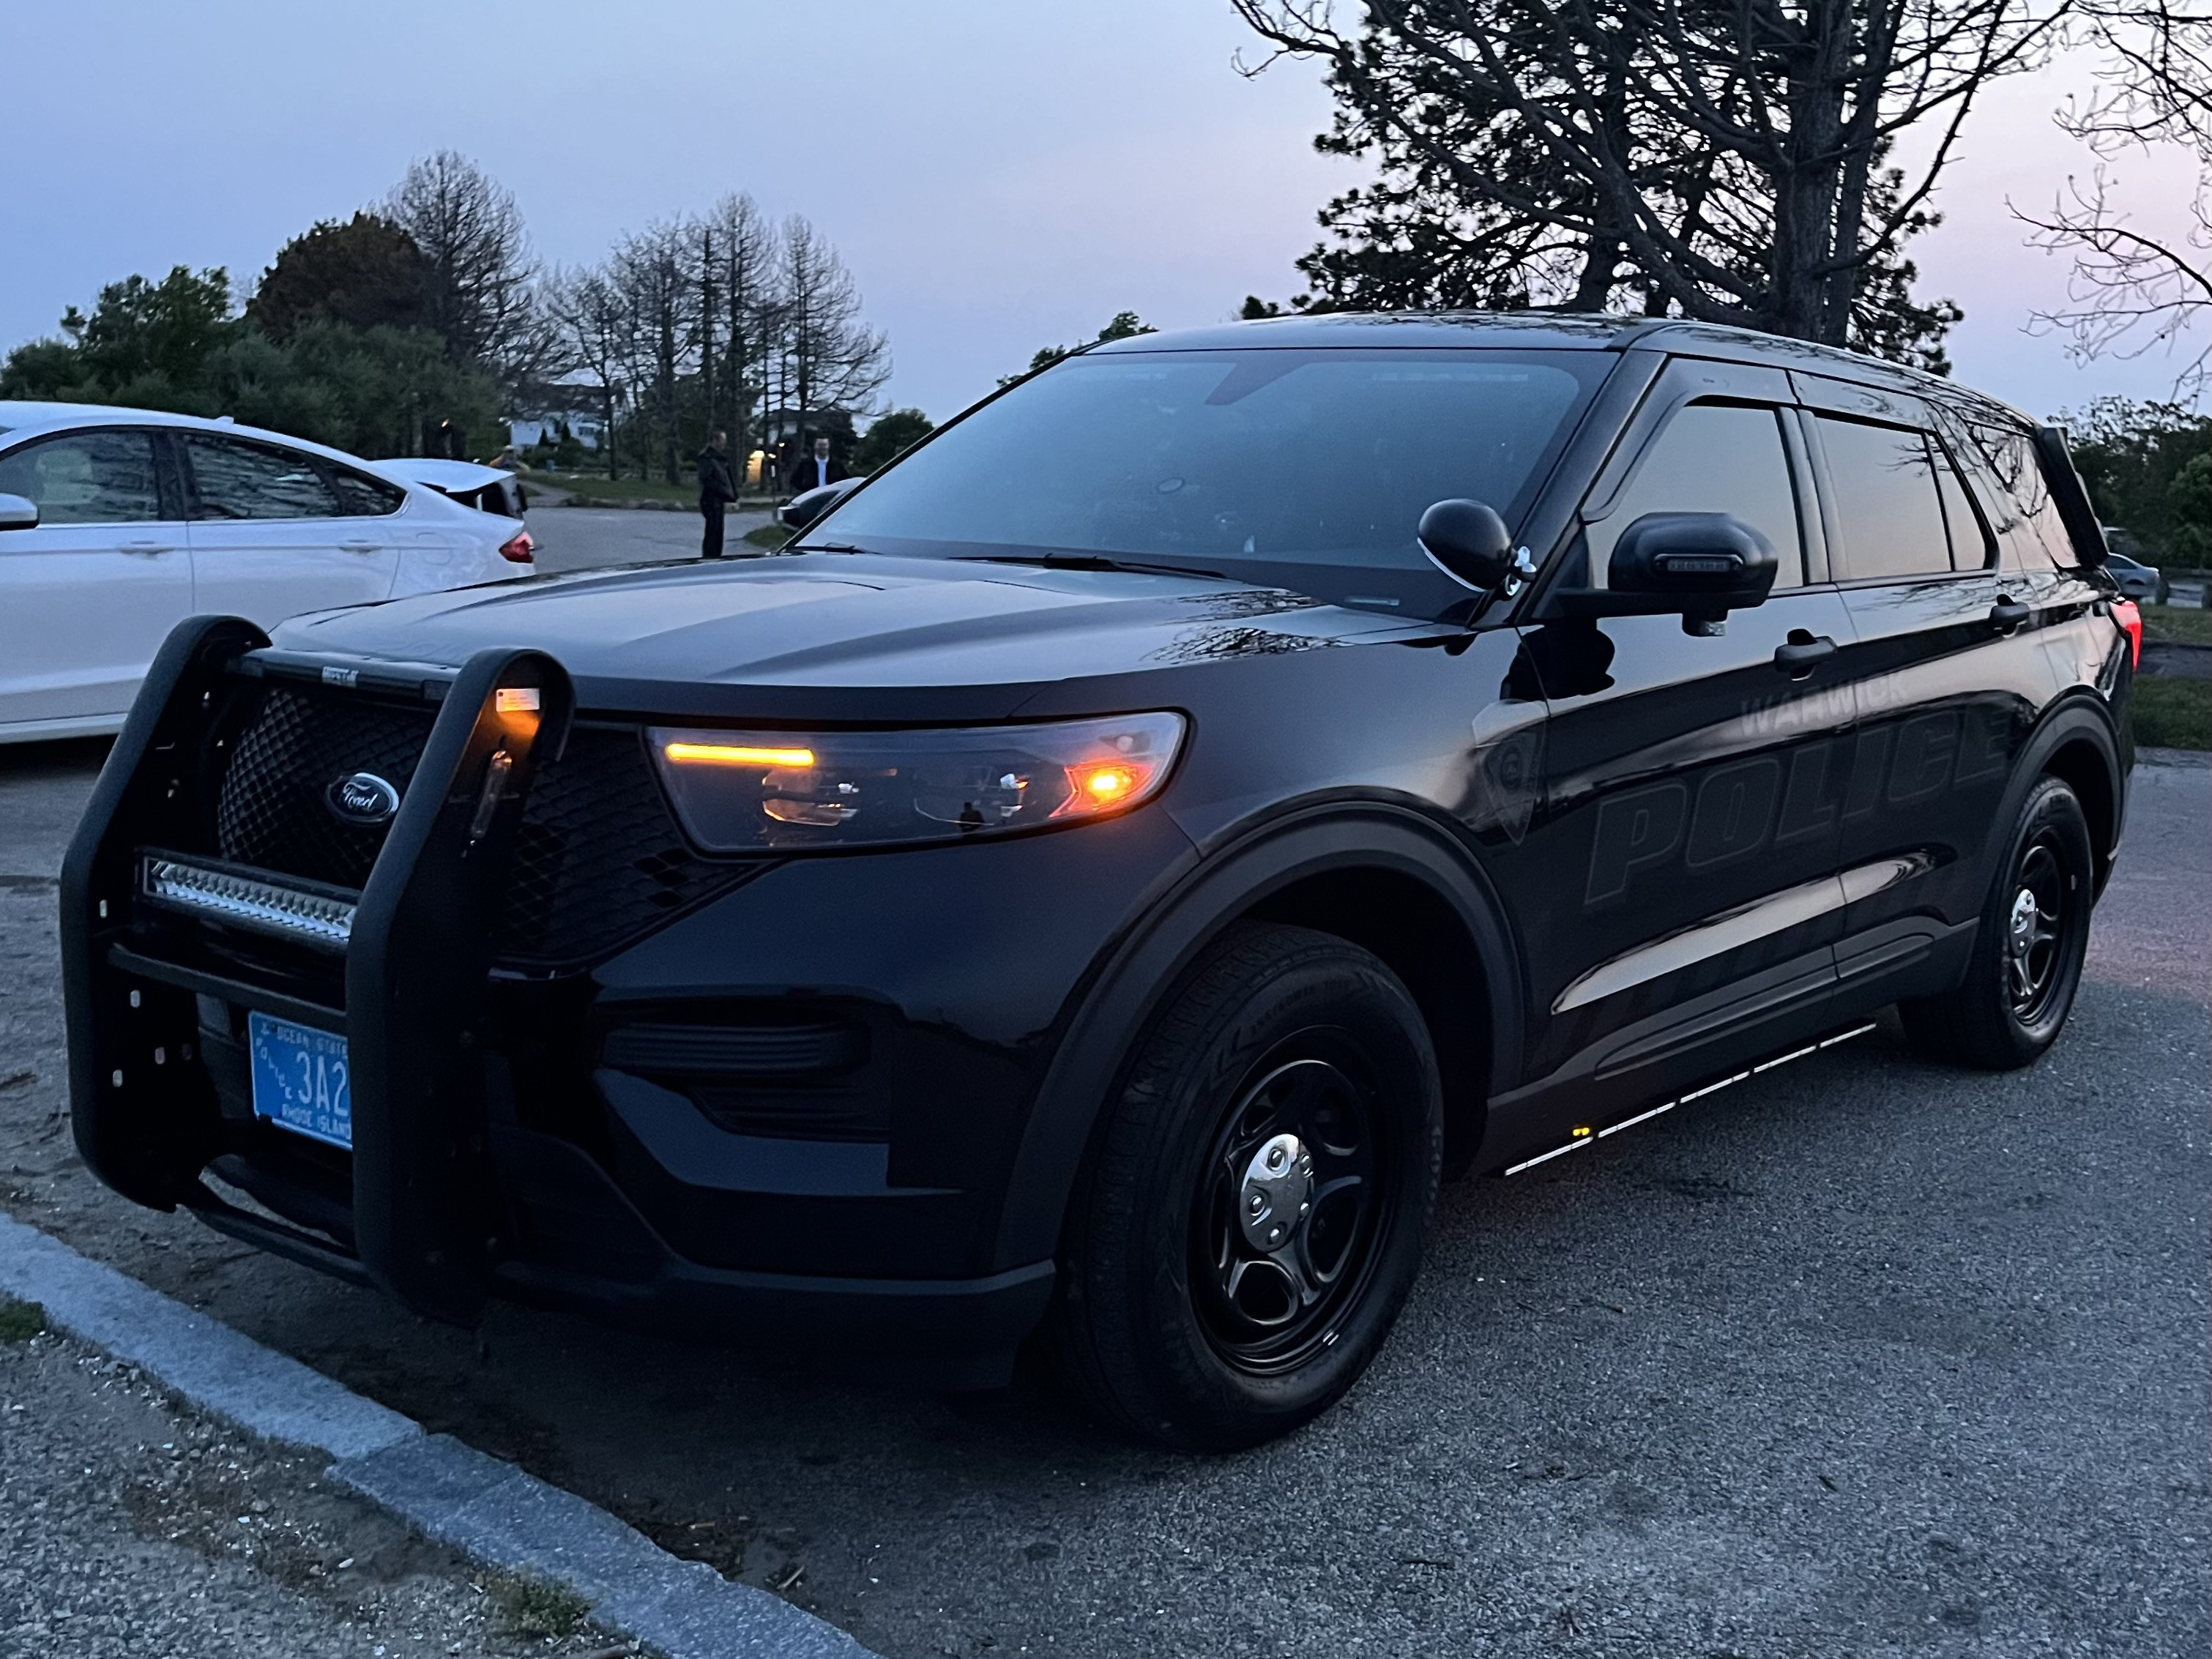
1151	957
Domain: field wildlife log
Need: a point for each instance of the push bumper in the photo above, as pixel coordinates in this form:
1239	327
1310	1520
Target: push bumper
445	1198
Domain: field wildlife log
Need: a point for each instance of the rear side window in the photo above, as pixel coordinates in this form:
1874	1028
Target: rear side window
234	478
1970	546
1887	503
361	496
87	477
2028	526
1712	458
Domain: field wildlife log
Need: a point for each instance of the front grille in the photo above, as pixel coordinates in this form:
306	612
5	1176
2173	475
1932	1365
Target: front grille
273	811
597	859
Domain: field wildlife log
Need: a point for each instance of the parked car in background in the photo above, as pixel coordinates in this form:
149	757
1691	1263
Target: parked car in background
2143	583
117	524
490	489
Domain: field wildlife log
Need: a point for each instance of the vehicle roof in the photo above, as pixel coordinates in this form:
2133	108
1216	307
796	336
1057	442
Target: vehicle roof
1550	331
21	419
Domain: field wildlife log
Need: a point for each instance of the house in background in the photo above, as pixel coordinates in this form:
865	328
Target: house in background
545	409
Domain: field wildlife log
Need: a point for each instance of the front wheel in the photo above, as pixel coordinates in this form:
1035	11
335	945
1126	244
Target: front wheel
2034	931
1250	1220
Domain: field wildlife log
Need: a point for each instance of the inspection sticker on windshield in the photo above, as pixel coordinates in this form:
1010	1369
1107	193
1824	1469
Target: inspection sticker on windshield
301	1079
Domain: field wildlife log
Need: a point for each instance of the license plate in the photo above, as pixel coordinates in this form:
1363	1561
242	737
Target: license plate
301	1081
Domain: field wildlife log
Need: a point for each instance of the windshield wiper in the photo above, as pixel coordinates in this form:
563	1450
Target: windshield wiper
1088	561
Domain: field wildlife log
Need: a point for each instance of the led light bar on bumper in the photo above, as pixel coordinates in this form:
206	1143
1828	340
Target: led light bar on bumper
300	914
787	791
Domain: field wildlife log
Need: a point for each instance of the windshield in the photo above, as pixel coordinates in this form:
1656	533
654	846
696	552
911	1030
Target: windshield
1306	470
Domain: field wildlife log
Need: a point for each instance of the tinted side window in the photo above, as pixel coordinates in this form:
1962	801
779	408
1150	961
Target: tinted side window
1712	458
1886	502
236	479
1970	546
2028	526
363	496
87	477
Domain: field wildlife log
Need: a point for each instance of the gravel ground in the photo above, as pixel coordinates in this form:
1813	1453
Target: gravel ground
129	1529
1863	1358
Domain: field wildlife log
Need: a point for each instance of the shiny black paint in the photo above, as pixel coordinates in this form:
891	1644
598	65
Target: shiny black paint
1501	810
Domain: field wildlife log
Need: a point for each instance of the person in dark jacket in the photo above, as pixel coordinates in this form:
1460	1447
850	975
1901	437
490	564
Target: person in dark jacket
816	469
716	492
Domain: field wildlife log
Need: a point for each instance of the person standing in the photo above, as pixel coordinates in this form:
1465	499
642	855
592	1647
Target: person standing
816	469
716	492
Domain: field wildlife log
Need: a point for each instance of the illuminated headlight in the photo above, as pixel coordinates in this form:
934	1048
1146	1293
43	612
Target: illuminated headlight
748	791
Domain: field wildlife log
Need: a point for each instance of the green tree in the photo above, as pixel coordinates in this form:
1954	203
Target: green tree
48	370
2148	469
1125	325
2190	501
887	437
1730	164
149	343
365	272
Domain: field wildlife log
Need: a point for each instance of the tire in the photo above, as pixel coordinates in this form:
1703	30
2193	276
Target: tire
1184	1319
2026	965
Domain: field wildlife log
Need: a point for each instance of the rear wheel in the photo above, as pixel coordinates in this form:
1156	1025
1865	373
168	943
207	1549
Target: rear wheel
2026	964
1250	1218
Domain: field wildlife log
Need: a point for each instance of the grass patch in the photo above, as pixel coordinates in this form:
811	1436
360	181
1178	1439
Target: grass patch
2172	621
2171	713
771	536
19	1320
532	1608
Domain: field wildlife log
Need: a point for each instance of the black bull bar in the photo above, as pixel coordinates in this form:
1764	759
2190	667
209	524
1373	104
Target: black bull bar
416	959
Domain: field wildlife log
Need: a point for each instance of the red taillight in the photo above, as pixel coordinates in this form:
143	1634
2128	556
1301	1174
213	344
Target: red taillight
2129	617
518	547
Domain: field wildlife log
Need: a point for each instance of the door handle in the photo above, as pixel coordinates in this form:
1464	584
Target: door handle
362	547
2007	614
1802	652
146	548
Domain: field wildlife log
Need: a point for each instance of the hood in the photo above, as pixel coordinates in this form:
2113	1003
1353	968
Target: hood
855	621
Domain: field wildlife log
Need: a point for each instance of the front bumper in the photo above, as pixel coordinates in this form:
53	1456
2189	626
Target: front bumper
736	1128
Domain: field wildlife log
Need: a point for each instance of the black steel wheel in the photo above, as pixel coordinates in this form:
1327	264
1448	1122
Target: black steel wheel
2035	925
1289	1208
2020	983
1249	1219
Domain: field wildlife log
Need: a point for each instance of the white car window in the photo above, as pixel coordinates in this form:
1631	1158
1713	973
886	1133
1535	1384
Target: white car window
235	479
86	477
363	496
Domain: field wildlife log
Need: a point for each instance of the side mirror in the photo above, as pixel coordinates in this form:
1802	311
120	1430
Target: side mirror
18	513
801	511
1472	544
1699	566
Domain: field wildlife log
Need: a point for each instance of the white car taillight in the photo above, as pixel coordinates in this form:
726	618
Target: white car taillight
518	547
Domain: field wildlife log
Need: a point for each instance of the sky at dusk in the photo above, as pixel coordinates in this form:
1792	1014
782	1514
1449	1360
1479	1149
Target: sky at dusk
1000	174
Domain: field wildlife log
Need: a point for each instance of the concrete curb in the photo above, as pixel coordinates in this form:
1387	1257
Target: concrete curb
489	1510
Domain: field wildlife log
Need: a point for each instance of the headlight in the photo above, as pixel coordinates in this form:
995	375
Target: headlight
741	792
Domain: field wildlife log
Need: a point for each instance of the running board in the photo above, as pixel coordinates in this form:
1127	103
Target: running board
1584	1136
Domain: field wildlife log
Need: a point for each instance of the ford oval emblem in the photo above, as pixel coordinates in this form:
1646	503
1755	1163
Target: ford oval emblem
364	798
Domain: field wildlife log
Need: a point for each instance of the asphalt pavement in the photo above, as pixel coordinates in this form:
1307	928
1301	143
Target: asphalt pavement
587	538
1861	1357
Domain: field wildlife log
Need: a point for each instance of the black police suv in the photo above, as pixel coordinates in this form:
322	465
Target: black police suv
1093	881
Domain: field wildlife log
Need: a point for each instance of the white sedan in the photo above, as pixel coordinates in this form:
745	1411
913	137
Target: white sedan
117	524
